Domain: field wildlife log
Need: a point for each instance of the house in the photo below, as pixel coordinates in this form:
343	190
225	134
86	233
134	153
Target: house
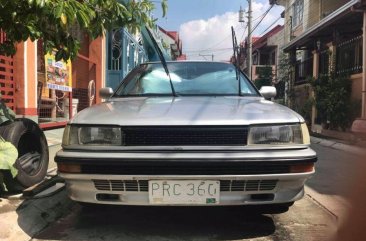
243	53
265	58
35	86
325	38
172	43
266	51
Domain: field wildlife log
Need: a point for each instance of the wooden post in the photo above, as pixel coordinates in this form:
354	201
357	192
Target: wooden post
54	108
312	94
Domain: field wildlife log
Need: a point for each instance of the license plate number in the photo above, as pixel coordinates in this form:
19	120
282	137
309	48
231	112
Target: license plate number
184	192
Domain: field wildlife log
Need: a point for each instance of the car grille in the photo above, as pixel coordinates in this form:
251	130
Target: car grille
247	185
188	168
121	185
225	185
185	136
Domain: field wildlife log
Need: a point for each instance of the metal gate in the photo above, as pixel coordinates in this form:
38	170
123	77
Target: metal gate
124	52
7	84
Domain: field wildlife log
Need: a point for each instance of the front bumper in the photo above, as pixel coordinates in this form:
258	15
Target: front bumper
82	188
285	187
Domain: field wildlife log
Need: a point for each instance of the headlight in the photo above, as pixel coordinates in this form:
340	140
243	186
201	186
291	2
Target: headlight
92	135
279	135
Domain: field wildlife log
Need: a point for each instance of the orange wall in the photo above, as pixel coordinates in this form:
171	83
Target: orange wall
356	87
25	76
96	56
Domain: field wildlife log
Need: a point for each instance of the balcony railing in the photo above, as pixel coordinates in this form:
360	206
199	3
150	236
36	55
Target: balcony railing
260	70
349	56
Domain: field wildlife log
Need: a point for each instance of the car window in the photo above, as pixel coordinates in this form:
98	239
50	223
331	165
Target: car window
188	78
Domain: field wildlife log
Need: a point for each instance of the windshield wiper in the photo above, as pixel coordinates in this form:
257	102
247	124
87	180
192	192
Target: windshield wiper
236	57
162	60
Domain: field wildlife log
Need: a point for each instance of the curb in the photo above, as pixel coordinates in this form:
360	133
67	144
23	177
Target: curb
339	146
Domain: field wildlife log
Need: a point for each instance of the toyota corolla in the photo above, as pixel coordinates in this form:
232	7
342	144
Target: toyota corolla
186	133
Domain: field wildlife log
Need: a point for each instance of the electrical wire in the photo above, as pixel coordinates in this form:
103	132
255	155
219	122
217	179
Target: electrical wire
207	50
261	17
274	22
214	45
264	15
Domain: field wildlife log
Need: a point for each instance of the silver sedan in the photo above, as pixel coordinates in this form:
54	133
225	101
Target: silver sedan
188	133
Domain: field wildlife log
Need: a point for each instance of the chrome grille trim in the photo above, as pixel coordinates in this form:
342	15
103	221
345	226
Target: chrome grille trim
225	185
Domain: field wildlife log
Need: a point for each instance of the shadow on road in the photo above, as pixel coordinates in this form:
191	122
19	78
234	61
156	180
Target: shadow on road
34	215
160	223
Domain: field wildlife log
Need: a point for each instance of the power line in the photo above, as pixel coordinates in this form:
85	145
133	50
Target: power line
220	42
270	25
264	15
246	27
207	50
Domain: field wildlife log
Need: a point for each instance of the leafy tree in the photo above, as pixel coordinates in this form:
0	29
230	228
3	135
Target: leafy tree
265	76
53	21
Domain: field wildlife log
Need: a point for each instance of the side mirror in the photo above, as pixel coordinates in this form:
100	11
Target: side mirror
106	92
268	91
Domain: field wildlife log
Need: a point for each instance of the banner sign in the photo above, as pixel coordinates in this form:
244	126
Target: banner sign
58	74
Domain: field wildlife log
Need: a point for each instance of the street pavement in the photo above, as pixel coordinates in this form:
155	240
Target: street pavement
54	139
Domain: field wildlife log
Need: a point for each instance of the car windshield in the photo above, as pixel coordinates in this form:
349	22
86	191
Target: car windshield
188	78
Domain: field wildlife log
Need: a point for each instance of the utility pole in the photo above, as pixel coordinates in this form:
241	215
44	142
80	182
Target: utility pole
250	39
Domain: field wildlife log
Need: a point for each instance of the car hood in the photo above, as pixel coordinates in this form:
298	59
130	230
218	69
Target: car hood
142	111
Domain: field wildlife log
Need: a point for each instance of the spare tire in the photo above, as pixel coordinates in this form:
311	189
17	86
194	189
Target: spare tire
31	143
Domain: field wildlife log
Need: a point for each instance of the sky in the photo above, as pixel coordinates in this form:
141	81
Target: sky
204	26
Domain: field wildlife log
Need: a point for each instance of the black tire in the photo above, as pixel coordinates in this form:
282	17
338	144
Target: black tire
31	143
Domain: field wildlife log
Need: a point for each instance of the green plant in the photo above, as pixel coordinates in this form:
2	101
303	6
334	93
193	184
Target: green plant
284	79
333	100
265	76
281	88
165	45
54	21
306	109
303	103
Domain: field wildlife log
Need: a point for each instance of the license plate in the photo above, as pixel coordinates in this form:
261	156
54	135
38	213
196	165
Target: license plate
184	192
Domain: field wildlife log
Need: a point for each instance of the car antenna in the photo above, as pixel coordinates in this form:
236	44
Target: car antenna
162	59
236	57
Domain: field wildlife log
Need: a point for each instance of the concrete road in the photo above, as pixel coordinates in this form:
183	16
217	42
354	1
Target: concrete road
304	221
52	152
335	178
313	218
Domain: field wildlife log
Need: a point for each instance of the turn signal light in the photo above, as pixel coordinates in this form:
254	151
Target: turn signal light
298	168
69	168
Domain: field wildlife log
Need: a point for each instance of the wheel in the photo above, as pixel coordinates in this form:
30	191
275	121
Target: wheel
31	143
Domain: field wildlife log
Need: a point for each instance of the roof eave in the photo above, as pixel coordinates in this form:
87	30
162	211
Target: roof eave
321	24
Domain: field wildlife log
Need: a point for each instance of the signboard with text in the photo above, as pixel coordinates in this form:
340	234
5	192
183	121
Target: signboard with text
58	73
